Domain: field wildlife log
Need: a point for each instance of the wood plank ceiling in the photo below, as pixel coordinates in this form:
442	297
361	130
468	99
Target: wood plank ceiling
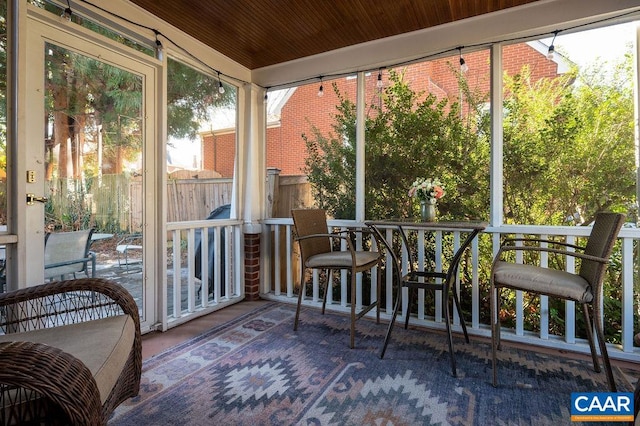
259	33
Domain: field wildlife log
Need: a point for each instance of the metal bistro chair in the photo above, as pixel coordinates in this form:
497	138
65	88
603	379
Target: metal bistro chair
68	253
584	288
128	245
426	280
316	252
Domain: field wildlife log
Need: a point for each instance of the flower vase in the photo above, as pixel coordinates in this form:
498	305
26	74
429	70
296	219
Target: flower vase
428	210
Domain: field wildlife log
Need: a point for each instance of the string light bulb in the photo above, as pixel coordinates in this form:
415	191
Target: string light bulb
463	65
552	49
159	47
220	86
379	83
321	89
66	14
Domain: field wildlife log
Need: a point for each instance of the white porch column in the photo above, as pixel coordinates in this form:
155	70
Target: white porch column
250	173
496	206
250	186
360	147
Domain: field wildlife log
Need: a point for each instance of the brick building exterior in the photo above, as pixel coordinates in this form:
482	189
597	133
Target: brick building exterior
304	108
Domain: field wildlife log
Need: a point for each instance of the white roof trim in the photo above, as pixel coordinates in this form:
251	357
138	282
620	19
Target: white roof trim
564	64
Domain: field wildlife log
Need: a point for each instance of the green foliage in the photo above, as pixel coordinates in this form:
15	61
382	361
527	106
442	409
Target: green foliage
410	134
191	95
568	147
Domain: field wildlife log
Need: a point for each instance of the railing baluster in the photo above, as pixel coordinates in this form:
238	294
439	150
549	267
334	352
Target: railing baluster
177	267
570	306
544	300
204	265
191	300
456	246
389	278
627	295
475	284
289	249
438	267
277	255
421	263
519	298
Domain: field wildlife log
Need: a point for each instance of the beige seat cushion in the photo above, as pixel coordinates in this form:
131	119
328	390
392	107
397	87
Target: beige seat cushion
542	280
103	345
341	259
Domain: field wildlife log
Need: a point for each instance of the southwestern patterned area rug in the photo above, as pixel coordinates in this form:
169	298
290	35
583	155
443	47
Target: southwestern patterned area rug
255	370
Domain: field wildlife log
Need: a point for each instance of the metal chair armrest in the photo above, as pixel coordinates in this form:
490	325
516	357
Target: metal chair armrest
509	241
550	250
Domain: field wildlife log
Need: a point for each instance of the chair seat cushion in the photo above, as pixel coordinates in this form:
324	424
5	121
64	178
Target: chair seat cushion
103	345
342	259
540	280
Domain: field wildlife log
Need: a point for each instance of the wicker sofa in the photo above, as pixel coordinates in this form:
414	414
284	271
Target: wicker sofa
70	354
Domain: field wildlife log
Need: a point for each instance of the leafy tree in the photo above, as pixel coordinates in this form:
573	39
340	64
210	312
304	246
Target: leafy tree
568	145
191	97
410	133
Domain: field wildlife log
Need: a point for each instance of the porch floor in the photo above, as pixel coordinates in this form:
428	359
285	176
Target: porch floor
156	341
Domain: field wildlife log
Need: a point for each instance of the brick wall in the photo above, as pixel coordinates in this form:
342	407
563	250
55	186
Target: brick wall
218	153
251	266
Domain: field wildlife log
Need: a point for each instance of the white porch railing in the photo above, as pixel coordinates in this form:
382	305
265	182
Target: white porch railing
187	296
281	275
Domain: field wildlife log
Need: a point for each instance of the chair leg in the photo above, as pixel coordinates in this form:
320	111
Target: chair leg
495	330
326	289
378	291
592	345
409	301
396	308
463	323
447	321
597	319
303	286
353	309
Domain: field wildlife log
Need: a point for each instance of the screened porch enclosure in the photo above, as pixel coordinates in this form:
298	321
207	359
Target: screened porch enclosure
170	275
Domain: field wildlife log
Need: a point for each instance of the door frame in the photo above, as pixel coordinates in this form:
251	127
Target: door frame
44	27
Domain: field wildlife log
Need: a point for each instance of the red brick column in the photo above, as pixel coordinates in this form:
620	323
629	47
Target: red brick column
252	266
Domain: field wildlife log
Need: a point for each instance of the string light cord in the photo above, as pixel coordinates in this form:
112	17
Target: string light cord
157	33
452	50
423	58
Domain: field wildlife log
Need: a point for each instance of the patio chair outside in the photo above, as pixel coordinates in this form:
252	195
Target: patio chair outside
316	253
584	288
129	250
67	253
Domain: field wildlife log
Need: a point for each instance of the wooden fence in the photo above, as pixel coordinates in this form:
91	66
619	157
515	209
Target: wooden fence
114	203
287	192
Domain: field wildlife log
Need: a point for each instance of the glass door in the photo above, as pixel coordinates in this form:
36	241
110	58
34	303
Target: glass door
97	105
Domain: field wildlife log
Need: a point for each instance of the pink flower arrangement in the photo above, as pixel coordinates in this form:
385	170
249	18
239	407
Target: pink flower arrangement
430	189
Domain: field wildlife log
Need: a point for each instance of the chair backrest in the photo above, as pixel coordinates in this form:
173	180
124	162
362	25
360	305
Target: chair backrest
308	222
600	243
69	250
